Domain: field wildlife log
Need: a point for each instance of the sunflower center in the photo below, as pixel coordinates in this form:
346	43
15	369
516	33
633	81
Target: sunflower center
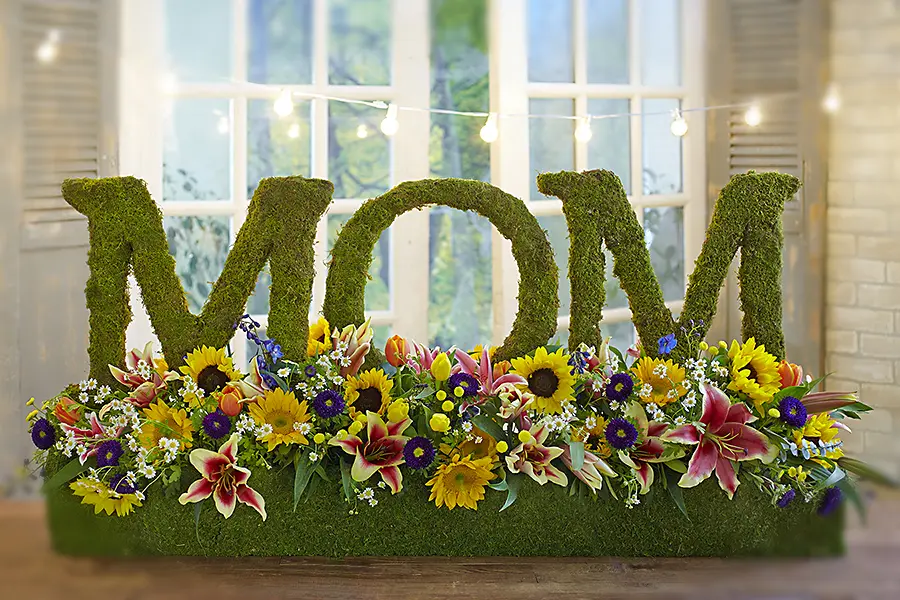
461	480
752	371
369	399
543	382
282	422
211	379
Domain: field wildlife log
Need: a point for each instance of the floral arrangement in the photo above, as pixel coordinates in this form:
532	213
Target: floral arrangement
598	421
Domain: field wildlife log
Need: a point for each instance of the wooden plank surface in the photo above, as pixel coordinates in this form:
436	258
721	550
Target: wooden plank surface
30	570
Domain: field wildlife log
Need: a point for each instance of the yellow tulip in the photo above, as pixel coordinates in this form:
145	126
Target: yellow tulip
440	422
397	411
440	367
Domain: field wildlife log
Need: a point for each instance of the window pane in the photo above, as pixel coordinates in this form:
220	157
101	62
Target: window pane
382	333
622	334
660	42
550	141
664	234
459	261
197	150
258	304
610	146
378	288
661	149
359	160
615	296
280	41
558	234
199	245
561	337
607	41
359	43
276	147
550	41
199	39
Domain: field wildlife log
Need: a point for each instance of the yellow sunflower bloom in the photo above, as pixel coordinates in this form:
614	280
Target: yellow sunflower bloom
664	378
164	421
104	499
549	378
820	427
754	372
480	445
478	350
594	438
285	415
461	482
369	391
210	368
319	338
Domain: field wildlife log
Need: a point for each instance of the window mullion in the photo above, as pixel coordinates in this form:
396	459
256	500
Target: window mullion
319	141
239	198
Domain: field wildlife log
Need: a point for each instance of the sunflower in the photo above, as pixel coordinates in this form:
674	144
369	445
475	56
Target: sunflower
665	378
477	445
210	368
369	391
164	421
102	498
460	482
285	415
820	427
754	372
549	378
319	338
594	438
478	350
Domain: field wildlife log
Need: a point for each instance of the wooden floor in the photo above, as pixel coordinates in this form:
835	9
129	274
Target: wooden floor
30	571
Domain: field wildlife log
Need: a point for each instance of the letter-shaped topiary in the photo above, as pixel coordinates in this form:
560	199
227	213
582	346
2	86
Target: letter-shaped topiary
747	215
352	253
126	232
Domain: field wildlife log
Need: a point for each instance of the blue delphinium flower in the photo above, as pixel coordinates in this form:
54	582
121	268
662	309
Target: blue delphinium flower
830	501
786	499
667	343
42	434
419	453
793	411
621	434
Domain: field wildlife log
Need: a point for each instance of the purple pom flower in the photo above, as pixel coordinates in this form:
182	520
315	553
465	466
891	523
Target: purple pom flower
621	434
786	499
465	381
619	387
793	412
109	453
42	434
216	424
328	404
419	453
120	486
830	501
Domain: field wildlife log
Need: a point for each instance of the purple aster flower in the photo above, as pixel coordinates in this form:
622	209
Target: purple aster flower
830	501
42	434
619	387
310	371
786	499
120	486
328	404
667	343
621	434
465	381
419	453
793	412
109	453
216	424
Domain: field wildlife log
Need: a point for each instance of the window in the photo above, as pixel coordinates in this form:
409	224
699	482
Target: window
202	131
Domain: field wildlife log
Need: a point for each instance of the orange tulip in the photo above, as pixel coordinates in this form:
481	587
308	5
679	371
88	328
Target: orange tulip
67	411
395	350
791	374
230	401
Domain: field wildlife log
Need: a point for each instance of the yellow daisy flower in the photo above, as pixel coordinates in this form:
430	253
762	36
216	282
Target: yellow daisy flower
319	338
549	378
460	482
210	368
754	372
104	499
369	391
665	378
594	438
284	414
164	421
820	427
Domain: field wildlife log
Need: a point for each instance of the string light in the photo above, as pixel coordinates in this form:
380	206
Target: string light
284	104
48	50
362	132
832	101
583	131
753	116
679	126
489	133
294	131
390	124
223	125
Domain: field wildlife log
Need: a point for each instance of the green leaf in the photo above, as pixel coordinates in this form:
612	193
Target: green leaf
425	393
70	471
797	391
834	477
675	491
320	471
618	354
513	482
500	486
198	506
677	466
281	382
849	490
858	467
304	471
490	427
576	452
346	482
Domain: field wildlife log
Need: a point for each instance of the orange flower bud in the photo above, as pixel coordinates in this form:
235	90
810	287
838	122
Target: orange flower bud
67	411
395	350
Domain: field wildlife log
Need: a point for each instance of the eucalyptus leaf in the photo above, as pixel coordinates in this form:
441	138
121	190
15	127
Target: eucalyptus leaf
425	393
513	482
69	471
834	477
198	507
302	475
346	481
576	452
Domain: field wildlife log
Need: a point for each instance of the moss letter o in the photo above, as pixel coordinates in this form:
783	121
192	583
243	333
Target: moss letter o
352	254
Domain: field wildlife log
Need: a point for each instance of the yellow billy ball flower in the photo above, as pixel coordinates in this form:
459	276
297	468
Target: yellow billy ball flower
355	427
440	367
397	411
524	436
722	344
447	406
774	413
713	350
440	422
30	402
459	391
704	346
502	447
441	394
31	415
319	438
341	434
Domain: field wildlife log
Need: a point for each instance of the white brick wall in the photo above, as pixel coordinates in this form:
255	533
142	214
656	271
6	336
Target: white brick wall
863	271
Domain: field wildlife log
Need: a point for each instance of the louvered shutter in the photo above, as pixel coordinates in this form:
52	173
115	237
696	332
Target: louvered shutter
774	51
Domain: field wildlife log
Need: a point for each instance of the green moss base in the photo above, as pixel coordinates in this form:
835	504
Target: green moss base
543	522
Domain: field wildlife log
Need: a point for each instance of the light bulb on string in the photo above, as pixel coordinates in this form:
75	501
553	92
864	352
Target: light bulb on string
362	132
48	50
489	132
753	116
284	104
583	131
679	126
390	124
294	131
832	101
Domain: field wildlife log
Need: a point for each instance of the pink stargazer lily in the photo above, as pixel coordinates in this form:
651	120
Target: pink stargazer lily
721	437
649	448
419	358
533	458
133	378
515	404
354	342
820	402
252	386
223	480
592	469
490	377
90	439
382	451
